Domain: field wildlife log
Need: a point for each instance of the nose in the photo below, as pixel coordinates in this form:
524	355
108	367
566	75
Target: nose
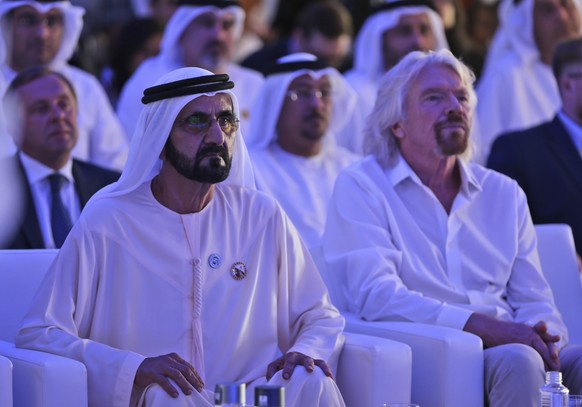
58	113
454	105
220	31
214	134
42	29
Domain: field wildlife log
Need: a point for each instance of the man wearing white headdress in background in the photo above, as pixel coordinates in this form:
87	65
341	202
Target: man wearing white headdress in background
181	275
392	30
517	89
200	33
45	32
292	140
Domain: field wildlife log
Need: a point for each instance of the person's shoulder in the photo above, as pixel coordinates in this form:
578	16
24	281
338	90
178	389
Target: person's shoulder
95	170
249	200
491	179
524	138
240	73
80	77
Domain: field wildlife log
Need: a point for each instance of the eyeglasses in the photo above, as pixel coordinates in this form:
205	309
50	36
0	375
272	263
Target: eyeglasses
199	123
32	21
574	75
308	93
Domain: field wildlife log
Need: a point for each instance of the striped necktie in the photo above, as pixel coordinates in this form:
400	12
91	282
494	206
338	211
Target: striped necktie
60	218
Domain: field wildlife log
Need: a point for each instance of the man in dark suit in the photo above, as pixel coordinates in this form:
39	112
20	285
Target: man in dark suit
546	160
41	110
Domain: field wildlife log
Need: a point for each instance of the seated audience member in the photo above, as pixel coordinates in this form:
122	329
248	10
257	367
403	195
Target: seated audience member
517	89
393	29
292	139
160	10
546	160
436	240
200	33
214	281
137	41
46	33
323	28
43	109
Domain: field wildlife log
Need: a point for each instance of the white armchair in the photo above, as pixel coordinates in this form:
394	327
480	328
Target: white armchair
39	379
5	382
447	364
370	370
558	258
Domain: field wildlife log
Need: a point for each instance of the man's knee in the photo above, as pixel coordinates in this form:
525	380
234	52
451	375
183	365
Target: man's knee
156	396
514	362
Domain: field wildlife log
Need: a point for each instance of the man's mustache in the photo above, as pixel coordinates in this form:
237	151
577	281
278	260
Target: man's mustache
454	118
213	149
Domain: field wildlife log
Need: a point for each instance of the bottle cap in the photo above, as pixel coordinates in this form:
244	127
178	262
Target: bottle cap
225	393
271	396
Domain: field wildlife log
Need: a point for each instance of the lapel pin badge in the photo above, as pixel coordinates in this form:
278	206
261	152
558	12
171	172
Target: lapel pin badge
238	270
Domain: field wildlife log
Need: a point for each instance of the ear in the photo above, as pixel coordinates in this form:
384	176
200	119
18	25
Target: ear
398	130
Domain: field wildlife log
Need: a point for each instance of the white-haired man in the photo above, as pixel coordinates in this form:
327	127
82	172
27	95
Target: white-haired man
392	30
200	33
436	240
517	89
299	110
45	32
181	275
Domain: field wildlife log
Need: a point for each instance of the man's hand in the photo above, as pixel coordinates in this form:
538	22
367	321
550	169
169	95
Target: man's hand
171	366
494	332
288	362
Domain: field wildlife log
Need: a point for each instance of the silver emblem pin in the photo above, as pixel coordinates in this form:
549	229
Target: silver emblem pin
238	270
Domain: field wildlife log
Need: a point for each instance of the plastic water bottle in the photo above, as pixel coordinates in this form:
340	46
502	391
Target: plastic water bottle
269	396
230	394
554	393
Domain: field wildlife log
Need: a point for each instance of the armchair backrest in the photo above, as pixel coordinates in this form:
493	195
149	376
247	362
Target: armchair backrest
21	273
558	258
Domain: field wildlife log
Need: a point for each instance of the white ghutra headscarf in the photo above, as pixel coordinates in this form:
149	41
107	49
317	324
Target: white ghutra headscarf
153	128
267	108
73	24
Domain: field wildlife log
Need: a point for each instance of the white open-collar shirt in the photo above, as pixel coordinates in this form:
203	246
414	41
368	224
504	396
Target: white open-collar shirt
393	253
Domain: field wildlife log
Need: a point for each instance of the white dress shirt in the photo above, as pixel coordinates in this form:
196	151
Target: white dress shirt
393	252
37	174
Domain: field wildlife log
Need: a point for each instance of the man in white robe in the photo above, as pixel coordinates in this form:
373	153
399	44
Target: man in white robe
517	89
292	140
393	29
181	275
201	34
46	33
437	240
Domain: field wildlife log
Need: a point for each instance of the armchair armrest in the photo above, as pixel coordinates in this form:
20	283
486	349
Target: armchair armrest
5	382
42	379
373	370
447	364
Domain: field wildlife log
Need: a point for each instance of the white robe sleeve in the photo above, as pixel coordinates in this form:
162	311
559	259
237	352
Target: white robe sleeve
308	322
61	317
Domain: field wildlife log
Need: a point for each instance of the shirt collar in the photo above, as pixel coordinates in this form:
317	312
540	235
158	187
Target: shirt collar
573	129
402	171
37	171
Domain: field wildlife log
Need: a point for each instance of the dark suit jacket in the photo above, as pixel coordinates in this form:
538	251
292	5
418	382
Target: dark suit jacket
545	163
89	179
